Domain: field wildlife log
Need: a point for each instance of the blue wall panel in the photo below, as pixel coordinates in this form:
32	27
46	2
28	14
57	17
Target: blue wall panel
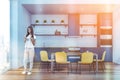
98	51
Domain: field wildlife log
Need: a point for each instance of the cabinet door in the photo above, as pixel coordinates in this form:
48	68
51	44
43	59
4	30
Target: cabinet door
73	21
88	25
105	29
105	19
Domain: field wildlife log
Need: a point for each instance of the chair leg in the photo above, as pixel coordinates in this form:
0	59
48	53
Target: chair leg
68	68
40	66
47	66
89	68
57	67
103	65
80	69
71	66
77	70
76	67
93	67
53	65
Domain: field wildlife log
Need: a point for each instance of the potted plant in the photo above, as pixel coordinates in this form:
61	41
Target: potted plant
62	21
53	21
36	21
45	21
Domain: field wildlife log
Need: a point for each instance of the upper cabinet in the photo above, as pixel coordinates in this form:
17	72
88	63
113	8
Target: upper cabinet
50	25
105	29
88	25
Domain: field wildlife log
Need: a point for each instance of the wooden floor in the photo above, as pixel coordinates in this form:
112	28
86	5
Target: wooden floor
112	72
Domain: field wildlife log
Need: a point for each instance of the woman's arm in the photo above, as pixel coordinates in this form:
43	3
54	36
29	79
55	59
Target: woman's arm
33	41
25	39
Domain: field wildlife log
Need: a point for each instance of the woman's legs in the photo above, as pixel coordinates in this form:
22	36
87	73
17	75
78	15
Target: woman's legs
28	55
31	57
25	61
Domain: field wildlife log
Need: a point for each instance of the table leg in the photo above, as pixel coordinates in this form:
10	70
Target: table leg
52	65
96	63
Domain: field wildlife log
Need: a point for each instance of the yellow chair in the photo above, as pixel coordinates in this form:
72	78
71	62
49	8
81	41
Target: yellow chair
86	59
44	58
101	61
61	58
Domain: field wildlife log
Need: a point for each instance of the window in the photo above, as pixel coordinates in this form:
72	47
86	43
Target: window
4	35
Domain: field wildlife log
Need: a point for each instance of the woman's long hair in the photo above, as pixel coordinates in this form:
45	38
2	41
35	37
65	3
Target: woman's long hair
32	32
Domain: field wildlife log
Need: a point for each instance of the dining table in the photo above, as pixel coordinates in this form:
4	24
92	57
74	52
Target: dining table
74	56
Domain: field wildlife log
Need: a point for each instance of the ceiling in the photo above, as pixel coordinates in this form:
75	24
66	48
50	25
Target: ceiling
67	8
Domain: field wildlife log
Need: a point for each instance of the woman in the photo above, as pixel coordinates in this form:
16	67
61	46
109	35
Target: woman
29	41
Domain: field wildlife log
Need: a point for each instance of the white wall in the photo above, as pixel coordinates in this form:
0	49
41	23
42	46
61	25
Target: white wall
14	34
57	41
20	19
116	35
23	22
60	41
4	36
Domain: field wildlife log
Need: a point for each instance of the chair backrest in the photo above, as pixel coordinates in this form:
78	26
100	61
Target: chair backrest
44	55
103	55
87	57
60	57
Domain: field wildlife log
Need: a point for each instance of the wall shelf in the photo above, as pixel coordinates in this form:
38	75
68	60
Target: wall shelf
51	35
50	29
88	35
49	24
88	25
